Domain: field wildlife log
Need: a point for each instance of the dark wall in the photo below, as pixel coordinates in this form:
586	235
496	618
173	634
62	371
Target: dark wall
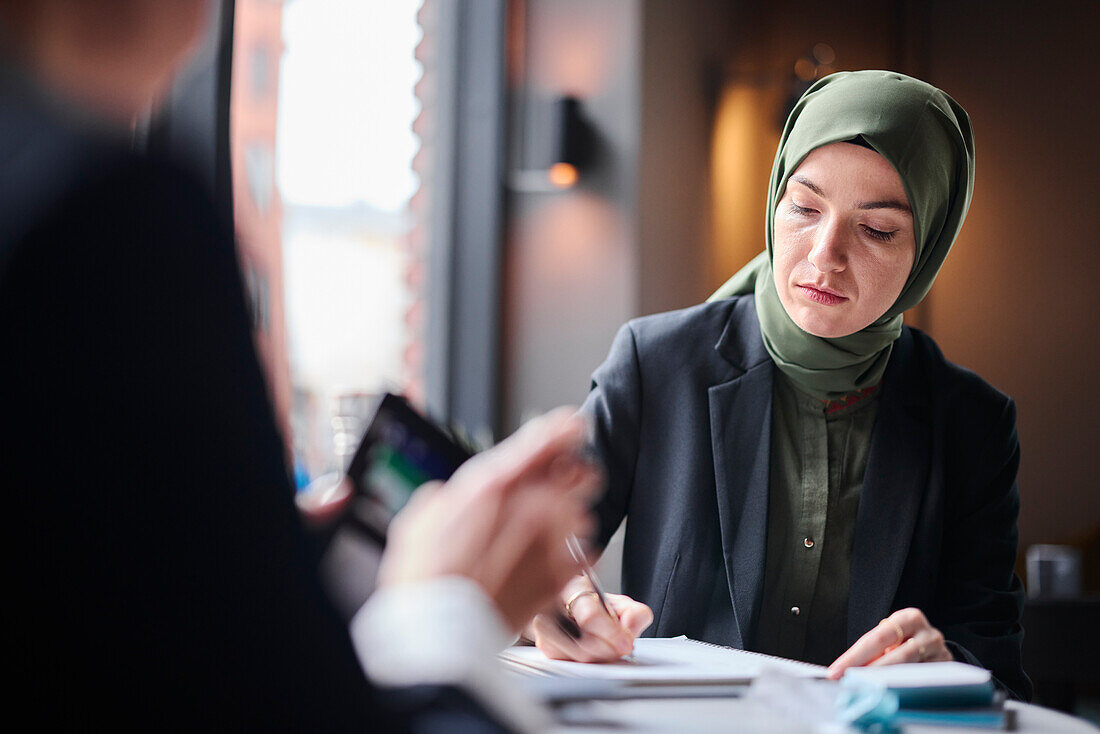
1017	300
683	43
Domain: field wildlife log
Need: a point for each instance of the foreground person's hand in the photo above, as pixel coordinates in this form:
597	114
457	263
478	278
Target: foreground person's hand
602	638
502	519
906	636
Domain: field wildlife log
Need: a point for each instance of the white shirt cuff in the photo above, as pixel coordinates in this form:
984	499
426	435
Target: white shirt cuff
443	631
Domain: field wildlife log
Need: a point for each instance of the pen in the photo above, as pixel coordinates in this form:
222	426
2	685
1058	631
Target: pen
577	552
579	556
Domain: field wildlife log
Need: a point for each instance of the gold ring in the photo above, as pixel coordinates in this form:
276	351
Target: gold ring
920	650
897	629
573	599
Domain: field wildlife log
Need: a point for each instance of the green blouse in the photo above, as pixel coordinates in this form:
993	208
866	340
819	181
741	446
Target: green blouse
818	456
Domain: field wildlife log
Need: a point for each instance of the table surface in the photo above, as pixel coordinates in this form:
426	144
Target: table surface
702	716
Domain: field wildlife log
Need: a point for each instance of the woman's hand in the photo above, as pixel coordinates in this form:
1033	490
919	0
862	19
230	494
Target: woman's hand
905	636
602	638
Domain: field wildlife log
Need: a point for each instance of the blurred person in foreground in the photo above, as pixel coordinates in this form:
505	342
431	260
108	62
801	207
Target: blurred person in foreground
159	575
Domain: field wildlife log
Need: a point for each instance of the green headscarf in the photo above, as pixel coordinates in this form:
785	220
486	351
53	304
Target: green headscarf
926	137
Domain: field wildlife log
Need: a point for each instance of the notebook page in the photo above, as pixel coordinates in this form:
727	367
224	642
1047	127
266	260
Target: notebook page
921	675
668	660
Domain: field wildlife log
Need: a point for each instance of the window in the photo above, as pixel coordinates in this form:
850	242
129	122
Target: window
322	110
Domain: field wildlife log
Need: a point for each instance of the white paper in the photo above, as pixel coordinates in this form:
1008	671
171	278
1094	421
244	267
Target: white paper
920	675
667	660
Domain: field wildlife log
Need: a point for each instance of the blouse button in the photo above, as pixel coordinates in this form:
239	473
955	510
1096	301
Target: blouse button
795	611
808	542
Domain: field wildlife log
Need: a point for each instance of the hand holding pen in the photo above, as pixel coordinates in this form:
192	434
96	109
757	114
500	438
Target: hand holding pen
608	623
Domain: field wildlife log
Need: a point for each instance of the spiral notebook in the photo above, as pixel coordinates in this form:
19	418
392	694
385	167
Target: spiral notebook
666	661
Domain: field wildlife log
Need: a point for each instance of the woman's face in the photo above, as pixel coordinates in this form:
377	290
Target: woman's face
844	240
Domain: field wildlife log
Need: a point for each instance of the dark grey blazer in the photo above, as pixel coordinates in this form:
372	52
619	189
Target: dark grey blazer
682	409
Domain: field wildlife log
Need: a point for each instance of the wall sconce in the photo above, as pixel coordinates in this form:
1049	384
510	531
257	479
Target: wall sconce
808	68
558	147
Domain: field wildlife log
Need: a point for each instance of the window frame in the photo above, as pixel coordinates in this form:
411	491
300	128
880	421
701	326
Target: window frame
462	369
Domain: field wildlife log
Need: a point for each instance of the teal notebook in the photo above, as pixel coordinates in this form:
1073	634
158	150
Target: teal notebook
995	716
930	685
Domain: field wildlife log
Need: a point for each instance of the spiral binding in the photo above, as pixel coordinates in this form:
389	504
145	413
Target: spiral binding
785	661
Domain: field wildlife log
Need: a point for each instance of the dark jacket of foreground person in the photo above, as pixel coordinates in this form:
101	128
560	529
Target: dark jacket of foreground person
158	573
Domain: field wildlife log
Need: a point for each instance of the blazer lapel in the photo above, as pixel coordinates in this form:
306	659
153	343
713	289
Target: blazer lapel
740	427
893	486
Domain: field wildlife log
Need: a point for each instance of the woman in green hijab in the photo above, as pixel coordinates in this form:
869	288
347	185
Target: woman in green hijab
803	474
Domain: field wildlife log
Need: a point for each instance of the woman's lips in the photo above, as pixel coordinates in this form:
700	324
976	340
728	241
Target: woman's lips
823	296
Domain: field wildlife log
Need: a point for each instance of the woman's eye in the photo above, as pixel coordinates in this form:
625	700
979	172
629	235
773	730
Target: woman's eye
796	209
878	234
